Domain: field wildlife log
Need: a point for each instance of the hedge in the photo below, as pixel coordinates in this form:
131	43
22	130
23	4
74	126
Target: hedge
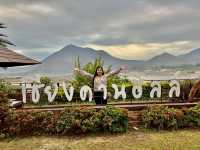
69	121
162	117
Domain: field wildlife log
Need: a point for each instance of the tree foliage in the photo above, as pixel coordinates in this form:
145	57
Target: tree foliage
46	81
90	67
4	42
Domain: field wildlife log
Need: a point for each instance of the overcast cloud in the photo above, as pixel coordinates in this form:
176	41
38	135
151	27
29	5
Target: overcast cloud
131	29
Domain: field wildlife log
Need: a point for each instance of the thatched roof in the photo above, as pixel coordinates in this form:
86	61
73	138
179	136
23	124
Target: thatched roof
9	58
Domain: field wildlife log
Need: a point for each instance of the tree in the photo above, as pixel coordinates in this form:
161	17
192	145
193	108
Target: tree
5	88
46	81
90	67
4	42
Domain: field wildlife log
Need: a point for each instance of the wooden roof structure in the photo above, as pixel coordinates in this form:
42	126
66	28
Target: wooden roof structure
9	58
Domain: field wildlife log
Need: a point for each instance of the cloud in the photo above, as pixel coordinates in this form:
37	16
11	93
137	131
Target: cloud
142	51
41	27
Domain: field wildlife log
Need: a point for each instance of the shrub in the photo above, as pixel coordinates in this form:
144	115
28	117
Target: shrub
31	123
69	121
115	120
4	113
4	86
161	117
60	97
3	99
83	120
193	116
4	89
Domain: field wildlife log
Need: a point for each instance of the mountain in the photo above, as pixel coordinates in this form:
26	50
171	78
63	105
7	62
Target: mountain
165	59
63	61
192	57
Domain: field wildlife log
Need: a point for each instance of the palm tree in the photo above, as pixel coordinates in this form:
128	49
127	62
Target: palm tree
4	42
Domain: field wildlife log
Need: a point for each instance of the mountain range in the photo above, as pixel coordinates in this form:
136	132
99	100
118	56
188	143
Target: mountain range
62	62
166	59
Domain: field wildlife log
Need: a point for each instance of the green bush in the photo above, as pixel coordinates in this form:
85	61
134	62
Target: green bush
115	120
161	117
4	113
193	116
84	120
5	88
30	123
3	99
69	121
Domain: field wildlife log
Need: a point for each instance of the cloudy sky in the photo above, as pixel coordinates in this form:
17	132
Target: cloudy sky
130	29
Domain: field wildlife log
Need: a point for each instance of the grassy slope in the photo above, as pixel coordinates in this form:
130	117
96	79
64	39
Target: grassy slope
149	140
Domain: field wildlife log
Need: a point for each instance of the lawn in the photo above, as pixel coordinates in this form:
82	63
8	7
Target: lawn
140	140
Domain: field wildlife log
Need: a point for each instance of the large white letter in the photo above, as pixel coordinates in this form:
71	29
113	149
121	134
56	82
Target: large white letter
69	95
83	93
36	93
48	90
156	89
175	88
137	91
119	93
24	92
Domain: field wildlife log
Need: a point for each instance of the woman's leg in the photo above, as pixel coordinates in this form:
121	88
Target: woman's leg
103	101
97	97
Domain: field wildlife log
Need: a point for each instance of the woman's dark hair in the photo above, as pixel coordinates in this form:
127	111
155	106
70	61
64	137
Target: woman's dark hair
95	74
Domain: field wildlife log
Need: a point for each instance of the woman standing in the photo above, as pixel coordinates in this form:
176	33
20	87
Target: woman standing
99	78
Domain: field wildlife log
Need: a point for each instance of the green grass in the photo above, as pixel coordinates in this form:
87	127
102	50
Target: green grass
140	140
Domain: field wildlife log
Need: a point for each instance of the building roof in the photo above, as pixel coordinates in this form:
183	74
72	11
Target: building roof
9	58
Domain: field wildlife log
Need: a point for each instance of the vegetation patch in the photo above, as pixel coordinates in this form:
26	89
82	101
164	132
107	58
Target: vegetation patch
69	121
162	117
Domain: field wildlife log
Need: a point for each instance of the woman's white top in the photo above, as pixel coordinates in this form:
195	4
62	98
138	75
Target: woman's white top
99	80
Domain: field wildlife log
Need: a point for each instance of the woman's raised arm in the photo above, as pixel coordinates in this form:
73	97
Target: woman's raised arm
114	72
83	72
